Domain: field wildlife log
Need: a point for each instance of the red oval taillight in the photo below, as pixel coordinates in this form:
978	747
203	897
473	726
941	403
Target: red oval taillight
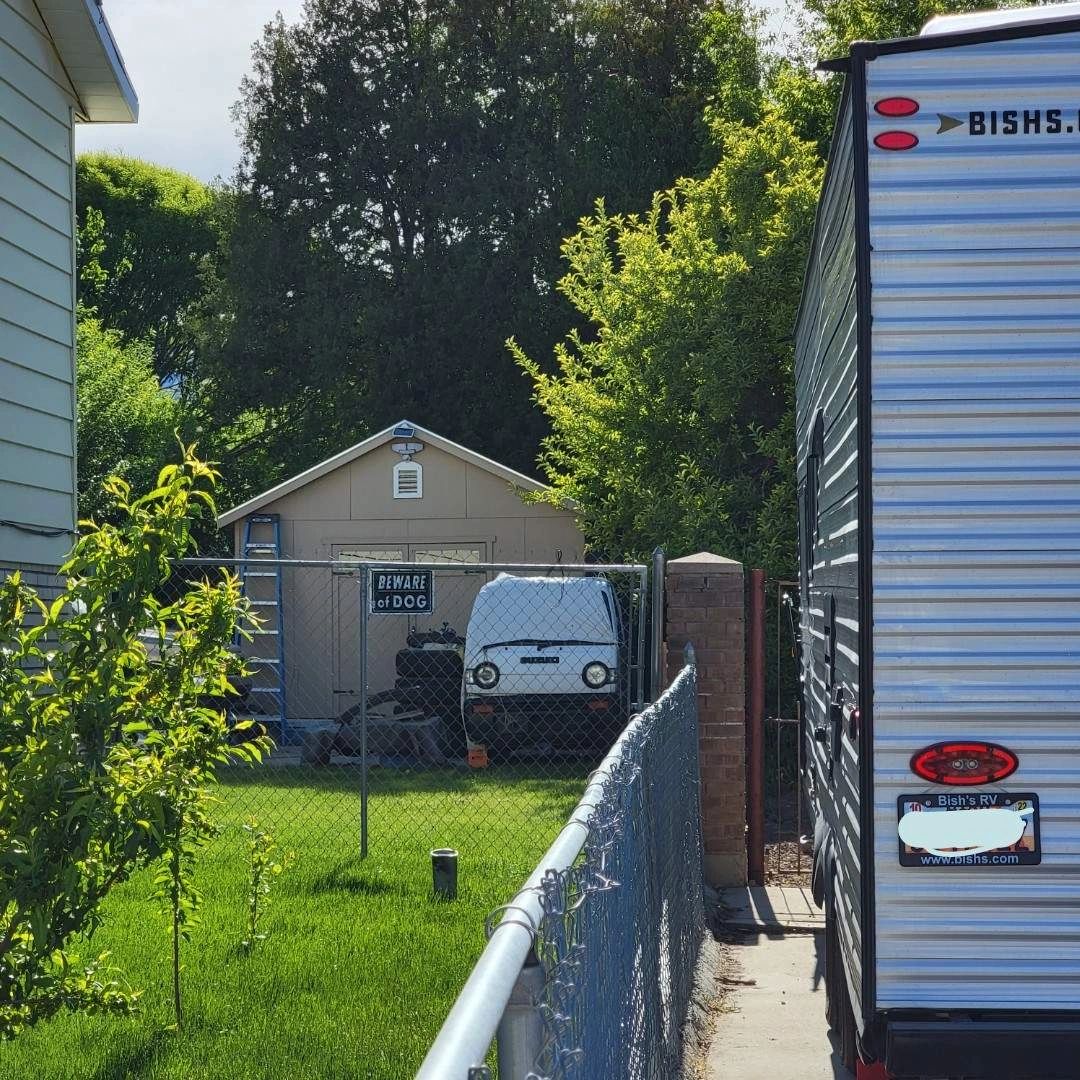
896	106
896	140
963	763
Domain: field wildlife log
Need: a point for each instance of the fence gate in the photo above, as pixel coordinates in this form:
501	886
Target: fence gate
776	808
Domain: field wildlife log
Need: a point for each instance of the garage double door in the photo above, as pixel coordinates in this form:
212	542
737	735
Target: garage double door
456	587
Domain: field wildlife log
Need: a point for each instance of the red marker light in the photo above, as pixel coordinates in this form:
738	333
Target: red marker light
896	140
896	106
964	763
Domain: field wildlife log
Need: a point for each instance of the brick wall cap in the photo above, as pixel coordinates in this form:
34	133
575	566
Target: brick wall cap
715	563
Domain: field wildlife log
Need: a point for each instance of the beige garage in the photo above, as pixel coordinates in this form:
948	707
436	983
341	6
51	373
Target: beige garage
404	494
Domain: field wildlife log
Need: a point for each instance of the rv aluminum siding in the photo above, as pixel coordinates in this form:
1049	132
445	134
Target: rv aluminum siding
975	433
826	371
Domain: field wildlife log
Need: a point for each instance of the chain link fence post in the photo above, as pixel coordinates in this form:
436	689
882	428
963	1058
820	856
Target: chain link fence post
365	584
639	696
521	1031
656	656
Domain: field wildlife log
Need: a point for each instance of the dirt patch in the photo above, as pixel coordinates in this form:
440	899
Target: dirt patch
706	1006
716	979
787	863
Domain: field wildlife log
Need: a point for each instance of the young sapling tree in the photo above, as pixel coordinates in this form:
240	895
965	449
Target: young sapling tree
109	738
263	867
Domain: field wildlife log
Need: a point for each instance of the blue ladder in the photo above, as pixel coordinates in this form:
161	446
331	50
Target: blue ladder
261	584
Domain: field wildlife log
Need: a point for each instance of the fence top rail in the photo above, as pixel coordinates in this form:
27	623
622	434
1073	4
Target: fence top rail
470	1027
356	564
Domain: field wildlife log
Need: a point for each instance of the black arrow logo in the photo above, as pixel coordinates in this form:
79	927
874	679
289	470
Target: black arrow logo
947	123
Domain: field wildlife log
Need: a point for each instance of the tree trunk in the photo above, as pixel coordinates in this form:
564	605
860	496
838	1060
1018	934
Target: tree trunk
174	868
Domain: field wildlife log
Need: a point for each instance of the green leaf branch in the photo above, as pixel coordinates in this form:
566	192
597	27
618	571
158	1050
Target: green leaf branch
108	740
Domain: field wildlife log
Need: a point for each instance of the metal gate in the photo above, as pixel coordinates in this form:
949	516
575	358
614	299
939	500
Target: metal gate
776	809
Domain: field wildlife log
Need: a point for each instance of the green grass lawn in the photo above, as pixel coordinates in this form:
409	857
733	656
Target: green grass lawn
361	965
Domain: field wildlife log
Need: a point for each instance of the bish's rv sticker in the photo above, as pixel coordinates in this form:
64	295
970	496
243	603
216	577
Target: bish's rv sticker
1012	122
969	829
975	122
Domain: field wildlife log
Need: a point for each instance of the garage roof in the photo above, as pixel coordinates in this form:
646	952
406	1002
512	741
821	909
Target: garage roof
84	42
394	431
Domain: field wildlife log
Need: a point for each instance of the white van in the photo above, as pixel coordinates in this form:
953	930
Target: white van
542	664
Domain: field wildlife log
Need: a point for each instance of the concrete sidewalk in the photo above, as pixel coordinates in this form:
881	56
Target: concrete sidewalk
770	907
772	1021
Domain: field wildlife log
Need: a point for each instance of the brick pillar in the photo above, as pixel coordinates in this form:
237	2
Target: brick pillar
706	606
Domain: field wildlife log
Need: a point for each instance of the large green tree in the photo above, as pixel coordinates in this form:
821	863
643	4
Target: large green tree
671	414
671	420
409	169
149	243
833	24
148	235
126	421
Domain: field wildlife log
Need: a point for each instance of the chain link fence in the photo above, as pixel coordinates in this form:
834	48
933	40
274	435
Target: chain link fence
436	703
621	929
606	933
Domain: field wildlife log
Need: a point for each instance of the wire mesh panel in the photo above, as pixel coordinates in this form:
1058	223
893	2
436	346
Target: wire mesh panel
622	928
440	702
293	665
787	861
478	677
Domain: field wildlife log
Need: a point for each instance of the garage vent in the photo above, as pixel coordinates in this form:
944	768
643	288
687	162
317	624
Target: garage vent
408	480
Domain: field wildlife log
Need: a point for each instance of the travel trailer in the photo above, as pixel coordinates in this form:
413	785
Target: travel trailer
938	405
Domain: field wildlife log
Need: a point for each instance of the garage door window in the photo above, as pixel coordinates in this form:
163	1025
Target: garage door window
373	555
421	553
446	554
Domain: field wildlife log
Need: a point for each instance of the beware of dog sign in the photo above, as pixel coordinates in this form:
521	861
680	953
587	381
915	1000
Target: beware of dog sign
401	592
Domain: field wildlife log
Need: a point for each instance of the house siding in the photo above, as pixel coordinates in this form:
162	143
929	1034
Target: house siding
37	293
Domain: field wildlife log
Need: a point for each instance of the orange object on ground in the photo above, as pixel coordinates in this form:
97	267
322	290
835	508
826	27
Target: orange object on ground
478	756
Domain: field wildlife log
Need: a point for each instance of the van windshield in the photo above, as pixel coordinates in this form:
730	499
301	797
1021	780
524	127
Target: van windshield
542	611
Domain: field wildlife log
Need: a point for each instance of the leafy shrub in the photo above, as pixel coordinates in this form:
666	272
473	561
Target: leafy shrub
108	740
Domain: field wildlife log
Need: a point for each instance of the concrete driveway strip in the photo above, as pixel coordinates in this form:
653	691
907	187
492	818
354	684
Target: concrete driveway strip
773	1023
772	1020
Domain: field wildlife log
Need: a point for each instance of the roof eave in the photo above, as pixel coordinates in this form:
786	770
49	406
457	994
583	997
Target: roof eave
373	442
85	44
953	38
